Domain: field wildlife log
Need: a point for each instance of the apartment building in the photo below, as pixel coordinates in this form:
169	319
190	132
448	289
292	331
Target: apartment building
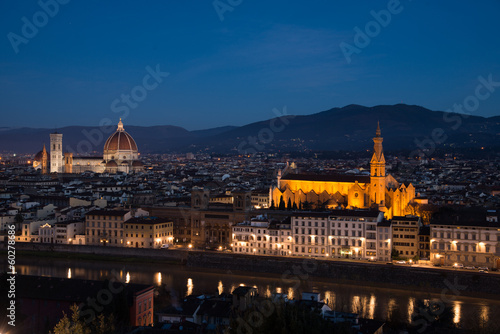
405	238
262	237
66	232
471	243
338	233
106	227
384	239
424	243
148	232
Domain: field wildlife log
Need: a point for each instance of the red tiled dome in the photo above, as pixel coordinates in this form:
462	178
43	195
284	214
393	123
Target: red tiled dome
111	163
38	156
120	140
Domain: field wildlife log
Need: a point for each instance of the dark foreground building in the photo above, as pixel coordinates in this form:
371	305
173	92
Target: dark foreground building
40	301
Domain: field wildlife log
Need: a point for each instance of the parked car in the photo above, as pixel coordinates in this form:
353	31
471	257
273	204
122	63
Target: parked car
458	266
483	268
401	262
164	246
483	271
470	267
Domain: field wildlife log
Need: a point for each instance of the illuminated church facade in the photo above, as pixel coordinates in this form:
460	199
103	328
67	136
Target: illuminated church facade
120	154
376	191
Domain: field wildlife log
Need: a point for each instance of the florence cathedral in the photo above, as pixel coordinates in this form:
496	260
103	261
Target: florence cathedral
120	154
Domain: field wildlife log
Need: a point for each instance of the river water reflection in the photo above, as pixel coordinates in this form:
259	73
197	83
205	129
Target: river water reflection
373	303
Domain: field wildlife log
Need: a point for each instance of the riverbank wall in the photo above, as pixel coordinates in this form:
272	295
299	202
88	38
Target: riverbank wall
296	270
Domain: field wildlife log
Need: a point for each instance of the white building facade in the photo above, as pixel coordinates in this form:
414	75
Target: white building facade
336	234
474	245
261	237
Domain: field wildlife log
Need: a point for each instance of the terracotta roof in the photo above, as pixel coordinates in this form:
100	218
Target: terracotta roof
148	220
120	140
340	213
327	178
137	163
107	213
38	156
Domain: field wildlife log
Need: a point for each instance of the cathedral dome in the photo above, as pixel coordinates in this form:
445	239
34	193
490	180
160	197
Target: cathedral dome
120	147
120	141
38	156
120	152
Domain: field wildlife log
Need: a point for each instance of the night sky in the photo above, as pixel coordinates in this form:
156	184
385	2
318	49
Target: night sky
234	64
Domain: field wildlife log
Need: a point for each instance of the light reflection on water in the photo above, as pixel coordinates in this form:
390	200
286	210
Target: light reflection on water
189	287
411	307
457	310
484	313
373	303
158	278
220	287
371	309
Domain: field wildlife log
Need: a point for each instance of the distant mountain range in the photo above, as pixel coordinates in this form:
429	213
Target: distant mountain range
349	128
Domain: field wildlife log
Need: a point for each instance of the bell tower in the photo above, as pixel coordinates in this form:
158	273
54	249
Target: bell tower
56	156
45	159
377	171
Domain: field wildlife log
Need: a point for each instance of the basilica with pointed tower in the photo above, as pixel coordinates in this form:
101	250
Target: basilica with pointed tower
376	191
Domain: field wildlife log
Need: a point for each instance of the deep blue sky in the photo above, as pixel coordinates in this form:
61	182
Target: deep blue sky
263	55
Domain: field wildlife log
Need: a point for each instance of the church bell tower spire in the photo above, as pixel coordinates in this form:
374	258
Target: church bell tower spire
377	170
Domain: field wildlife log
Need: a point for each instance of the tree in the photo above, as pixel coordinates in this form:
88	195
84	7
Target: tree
300	204
76	325
289	204
282	204
18	219
395	254
285	318
294	206
272	205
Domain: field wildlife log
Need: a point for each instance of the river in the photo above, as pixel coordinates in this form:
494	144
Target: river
370	302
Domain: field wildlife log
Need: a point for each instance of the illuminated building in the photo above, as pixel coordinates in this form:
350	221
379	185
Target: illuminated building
471	243
405	238
148	232
120	154
106	227
384	239
262	237
377	190
338	233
